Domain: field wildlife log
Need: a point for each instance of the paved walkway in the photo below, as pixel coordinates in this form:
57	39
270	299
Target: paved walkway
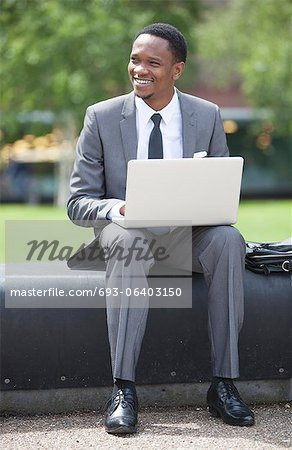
180	429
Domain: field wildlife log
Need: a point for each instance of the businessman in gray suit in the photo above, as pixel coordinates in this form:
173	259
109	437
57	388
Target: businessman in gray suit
158	121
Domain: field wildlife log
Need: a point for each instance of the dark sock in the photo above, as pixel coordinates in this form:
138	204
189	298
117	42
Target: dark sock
119	383
217	379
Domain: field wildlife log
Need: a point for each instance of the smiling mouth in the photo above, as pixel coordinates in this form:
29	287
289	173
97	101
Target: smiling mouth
141	81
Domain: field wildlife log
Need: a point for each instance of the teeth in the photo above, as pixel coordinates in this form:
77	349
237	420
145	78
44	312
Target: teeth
140	81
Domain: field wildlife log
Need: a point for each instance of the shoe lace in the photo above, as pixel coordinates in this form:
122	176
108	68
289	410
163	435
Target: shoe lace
230	391
124	397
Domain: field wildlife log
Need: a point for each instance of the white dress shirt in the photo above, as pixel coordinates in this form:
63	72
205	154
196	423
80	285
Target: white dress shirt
171	130
170	126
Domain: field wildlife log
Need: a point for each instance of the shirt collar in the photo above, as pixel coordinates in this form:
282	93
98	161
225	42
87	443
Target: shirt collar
145	112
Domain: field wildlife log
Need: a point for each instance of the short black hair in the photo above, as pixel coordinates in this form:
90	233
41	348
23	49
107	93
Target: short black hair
175	38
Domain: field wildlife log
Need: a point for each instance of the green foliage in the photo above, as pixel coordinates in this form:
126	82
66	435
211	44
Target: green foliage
253	38
64	55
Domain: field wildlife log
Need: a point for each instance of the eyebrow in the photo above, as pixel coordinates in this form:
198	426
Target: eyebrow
153	58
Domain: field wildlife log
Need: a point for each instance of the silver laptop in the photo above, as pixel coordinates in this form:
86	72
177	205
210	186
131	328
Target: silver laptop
182	192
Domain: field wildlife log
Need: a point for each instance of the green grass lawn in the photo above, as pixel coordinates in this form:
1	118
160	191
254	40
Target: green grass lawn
265	220
258	220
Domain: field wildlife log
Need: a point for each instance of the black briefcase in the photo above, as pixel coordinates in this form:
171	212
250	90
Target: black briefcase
269	257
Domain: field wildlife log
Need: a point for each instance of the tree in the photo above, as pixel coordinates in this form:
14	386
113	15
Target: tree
64	55
253	38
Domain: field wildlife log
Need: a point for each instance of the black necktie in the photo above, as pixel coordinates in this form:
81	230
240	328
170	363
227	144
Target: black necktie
155	149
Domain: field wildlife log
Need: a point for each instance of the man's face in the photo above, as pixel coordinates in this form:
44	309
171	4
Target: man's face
153	70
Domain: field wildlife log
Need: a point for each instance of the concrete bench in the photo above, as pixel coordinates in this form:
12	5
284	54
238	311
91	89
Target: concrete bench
55	357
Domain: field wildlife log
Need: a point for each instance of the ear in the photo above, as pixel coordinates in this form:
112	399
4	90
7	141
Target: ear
178	69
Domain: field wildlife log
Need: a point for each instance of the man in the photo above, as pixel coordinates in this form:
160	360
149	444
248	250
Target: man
156	117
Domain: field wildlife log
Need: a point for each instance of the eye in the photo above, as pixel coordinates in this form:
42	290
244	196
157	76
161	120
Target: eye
133	59
154	63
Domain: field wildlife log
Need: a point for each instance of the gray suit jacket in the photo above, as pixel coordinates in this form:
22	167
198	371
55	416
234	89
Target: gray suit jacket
109	140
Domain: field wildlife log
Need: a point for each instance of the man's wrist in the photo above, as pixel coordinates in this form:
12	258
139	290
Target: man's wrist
115	210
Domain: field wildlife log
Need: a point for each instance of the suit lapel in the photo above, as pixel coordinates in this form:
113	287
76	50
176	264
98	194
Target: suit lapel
189	125
128	128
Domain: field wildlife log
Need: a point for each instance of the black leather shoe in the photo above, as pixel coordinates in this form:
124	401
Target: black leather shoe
224	401
122	411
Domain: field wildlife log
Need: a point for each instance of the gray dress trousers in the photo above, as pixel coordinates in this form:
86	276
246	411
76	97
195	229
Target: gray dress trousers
218	252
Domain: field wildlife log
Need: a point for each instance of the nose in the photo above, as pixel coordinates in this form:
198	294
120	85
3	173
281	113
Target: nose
140	69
